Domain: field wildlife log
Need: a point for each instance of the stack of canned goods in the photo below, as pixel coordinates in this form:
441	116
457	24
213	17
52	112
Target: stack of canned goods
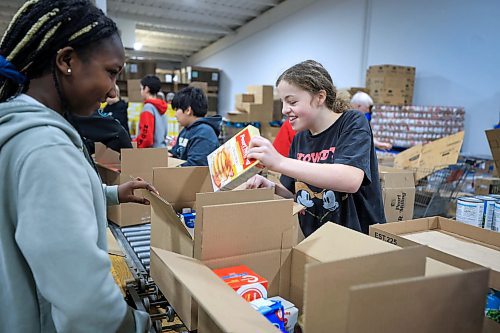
481	211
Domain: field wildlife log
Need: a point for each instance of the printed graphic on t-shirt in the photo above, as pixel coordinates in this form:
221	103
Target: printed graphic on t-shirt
183	142
320	205
349	142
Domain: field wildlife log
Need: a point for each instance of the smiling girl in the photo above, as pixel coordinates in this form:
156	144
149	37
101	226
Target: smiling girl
332	167
58	58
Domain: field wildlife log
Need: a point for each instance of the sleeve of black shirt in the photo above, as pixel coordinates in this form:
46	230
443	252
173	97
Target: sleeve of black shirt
355	144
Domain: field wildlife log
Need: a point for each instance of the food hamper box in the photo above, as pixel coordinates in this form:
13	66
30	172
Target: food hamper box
340	279
458	244
115	169
227	224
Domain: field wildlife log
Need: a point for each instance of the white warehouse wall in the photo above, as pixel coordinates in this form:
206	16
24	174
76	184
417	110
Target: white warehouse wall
454	44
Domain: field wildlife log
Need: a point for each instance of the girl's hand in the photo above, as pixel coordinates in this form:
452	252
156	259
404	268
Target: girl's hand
126	191
258	181
261	149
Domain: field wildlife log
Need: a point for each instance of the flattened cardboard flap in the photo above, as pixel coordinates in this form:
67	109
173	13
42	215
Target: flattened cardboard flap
341	275
409	158
179	185
335	242
208	290
105	156
415	305
113	247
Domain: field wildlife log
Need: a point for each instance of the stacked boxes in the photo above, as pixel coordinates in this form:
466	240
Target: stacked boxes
256	105
211	76
406	126
391	84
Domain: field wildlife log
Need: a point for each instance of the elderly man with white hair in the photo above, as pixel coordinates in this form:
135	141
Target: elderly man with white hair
363	102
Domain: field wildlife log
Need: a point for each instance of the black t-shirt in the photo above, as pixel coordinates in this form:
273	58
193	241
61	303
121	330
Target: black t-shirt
348	141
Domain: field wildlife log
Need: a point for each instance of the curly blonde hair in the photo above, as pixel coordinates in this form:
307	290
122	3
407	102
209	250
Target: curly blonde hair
311	76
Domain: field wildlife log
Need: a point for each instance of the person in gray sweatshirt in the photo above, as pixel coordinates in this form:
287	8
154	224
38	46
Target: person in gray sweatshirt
57	58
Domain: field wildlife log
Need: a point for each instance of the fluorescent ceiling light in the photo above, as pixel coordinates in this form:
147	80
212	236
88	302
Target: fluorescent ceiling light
137	46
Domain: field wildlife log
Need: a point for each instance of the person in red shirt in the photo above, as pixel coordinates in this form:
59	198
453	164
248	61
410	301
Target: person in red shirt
284	138
153	122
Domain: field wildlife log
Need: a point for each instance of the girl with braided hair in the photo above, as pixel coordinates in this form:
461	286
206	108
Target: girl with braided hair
54	267
331	168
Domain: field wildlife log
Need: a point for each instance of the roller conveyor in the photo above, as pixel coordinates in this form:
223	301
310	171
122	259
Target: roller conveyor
142	293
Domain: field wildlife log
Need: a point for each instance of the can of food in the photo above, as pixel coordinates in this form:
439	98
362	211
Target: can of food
489	209
495	226
496	196
470	210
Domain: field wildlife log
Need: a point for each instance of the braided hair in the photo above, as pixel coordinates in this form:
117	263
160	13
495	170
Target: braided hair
311	76
38	30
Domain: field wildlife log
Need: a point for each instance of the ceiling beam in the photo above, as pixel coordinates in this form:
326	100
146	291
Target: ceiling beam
153	55
175	33
169	46
152	40
173	49
167	15
267	19
172	24
271	3
215	7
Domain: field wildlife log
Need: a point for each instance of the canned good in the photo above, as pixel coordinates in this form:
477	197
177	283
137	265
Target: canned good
470	211
489	209
495	226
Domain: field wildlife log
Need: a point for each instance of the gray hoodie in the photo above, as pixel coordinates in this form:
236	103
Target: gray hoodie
54	266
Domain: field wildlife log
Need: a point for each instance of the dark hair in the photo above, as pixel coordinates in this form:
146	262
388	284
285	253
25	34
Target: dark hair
152	82
311	76
191	97
42	27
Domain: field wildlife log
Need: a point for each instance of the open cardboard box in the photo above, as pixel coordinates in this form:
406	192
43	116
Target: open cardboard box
342	281
228	226
398	193
457	244
116	169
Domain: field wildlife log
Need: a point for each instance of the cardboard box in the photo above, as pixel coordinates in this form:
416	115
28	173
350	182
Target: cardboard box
269	132
494	142
256	105
391	84
200	85
262	94
385	160
393	282
115	170
451	242
244	282
435	155
228	225
238	117
134	91
487	185
398	193
242	101
228	164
